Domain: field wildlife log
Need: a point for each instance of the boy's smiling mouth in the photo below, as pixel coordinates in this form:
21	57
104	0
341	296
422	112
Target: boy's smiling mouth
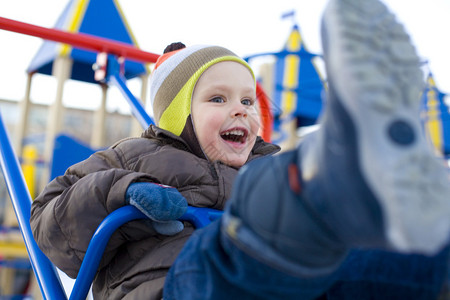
235	135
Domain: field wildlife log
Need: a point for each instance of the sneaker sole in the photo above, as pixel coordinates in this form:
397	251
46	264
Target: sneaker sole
378	80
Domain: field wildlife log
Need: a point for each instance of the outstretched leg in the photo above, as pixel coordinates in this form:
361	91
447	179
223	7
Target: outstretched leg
367	178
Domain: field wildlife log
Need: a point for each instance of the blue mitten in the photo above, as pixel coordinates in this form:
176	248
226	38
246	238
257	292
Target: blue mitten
161	203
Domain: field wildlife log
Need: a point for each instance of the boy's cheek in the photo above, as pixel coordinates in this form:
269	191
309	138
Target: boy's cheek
255	120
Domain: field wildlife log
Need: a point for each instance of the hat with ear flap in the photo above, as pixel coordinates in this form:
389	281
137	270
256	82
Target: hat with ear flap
172	84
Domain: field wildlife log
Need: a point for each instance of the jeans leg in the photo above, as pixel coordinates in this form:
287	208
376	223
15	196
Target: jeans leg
377	274
211	266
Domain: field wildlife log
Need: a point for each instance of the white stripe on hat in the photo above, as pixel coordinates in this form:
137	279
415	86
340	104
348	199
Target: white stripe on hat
163	70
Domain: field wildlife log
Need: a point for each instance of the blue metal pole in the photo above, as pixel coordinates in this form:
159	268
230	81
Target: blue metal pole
49	282
116	78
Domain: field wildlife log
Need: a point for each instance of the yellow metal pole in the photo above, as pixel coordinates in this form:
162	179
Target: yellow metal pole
30	155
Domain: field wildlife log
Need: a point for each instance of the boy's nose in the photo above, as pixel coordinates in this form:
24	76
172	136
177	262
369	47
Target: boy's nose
239	110
240	114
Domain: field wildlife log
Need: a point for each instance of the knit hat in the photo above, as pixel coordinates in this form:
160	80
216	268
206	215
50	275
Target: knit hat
172	84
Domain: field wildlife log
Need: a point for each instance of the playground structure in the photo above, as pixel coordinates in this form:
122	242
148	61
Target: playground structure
295	87
435	116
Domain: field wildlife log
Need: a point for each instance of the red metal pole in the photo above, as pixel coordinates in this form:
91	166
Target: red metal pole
265	113
81	40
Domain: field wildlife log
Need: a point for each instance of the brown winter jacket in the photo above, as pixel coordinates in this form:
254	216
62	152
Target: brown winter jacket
67	213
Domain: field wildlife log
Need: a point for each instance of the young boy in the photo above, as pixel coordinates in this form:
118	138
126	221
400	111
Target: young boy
204	104
352	211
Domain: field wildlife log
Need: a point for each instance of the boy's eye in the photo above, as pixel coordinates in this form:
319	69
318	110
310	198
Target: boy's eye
217	100
247	102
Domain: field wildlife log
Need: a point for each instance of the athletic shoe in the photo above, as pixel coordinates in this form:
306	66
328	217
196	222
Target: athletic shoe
372	126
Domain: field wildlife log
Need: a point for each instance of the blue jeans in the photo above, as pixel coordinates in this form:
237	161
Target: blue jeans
211	267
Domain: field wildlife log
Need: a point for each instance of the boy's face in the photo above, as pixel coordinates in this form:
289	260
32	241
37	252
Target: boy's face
224	114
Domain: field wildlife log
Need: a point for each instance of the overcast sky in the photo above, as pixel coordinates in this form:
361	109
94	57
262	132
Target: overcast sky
245	26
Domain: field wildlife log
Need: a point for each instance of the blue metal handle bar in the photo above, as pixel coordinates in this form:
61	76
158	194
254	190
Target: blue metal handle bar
97	246
201	216
46	276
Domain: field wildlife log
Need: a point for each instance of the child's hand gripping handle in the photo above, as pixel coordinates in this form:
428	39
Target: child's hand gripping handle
162	204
